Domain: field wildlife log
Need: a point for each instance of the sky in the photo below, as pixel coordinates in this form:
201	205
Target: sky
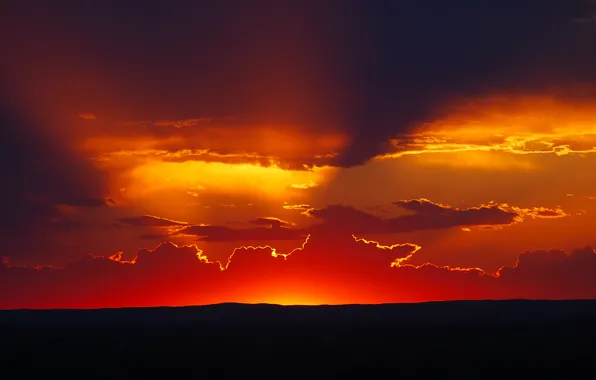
296	152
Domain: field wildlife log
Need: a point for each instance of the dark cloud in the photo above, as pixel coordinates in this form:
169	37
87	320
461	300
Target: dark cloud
40	171
553	273
176	263
548	213
151	221
41	174
369	69
154	236
222	233
349	271
347	218
425	215
271	222
429	215
409	57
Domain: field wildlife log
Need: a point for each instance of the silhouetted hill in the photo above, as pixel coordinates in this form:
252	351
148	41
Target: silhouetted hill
424	314
453	336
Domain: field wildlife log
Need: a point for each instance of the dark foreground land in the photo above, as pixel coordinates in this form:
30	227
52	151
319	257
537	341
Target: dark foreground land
458	338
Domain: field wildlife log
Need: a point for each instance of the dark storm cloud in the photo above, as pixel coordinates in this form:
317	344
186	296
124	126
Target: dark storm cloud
371	68
39	174
422	54
425	215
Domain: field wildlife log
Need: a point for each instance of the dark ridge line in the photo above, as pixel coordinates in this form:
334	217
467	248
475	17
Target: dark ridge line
274	305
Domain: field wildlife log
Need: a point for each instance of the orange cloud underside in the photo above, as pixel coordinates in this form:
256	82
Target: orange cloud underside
520	125
247	141
270	181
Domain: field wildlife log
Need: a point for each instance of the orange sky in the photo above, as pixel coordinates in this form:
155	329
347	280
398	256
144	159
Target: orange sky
290	175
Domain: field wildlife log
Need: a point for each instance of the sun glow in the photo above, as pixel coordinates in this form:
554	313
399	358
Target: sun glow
197	176
294	295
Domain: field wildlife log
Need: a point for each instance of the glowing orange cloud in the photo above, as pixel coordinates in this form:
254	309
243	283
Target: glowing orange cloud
412	248
217	177
214	140
518	125
274	252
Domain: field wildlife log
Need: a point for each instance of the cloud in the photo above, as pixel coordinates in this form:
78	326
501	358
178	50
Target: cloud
87	116
296	207
553	274
492	213
541	212
228	154
208	179
424	215
303	186
526	124
347	218
344	69
43	174
400	252
337	84
186	123
271	222
151	221
275	231
154	236
586	19
122	280
341	270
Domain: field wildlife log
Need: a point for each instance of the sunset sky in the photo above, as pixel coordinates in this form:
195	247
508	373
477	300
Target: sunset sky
296	152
